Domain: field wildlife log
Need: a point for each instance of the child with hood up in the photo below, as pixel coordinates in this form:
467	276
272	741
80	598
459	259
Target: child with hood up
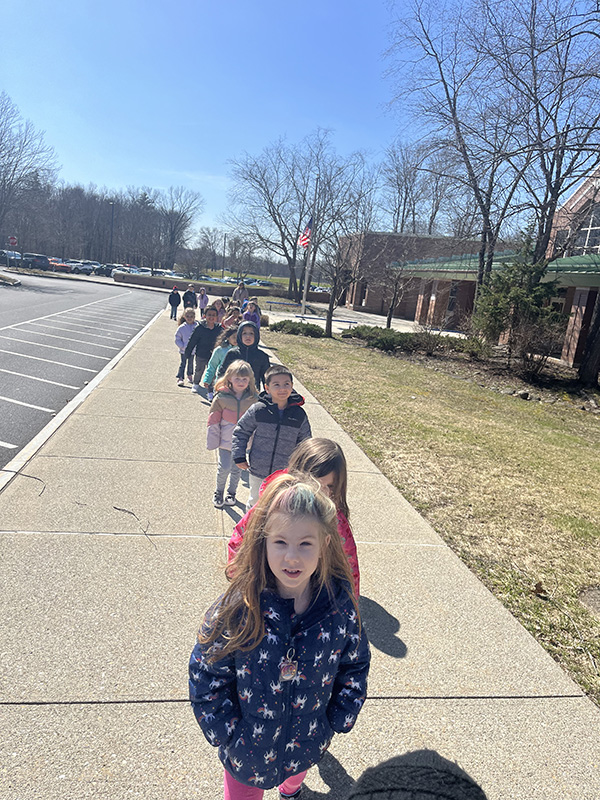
248	337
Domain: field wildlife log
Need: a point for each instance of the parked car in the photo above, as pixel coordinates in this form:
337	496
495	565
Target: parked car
57	265
104	269
83	267
10	258
35	261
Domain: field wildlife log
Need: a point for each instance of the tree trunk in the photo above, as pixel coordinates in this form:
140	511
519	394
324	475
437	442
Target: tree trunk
330	309
590	365
392	306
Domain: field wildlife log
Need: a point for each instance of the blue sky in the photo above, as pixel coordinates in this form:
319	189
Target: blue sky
165	93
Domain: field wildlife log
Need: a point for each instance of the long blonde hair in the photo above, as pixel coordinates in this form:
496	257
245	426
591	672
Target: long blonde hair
236	622
237	367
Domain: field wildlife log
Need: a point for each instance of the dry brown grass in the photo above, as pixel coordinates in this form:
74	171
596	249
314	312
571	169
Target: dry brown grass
512	486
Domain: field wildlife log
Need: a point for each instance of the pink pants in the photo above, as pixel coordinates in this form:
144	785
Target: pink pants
238	791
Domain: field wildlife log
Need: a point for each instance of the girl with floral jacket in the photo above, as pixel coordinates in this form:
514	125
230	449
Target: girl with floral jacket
281	662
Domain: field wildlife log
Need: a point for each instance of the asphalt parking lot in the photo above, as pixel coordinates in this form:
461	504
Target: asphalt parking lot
55	336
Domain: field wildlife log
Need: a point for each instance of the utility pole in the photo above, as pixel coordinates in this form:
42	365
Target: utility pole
112	227
223	265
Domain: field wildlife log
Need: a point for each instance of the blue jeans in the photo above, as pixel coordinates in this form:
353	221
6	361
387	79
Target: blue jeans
181	373
174	312
227	466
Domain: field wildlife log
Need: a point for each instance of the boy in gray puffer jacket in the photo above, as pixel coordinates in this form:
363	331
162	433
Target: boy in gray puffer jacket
278	423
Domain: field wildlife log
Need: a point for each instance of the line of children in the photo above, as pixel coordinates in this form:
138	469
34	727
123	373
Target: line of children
275	424
226	341
290	616
233	316
248	338
187	325
174	302
252	313
324	460
220	306
281	661
202	299
235	394
202	342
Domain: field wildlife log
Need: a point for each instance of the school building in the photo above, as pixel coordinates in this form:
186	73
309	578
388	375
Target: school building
441	273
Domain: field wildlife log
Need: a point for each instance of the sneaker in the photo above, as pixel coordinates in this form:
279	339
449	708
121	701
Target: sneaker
196	388
230	499
297	795
209	396
218	499
180	382
190	378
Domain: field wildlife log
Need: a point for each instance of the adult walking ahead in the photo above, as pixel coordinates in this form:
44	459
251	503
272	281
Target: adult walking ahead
240	293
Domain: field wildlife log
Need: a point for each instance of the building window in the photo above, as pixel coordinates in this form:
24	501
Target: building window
587	238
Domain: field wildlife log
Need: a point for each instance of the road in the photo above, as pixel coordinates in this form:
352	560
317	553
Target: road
55	336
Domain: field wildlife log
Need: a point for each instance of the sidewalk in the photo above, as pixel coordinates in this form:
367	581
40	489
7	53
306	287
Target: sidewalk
111	550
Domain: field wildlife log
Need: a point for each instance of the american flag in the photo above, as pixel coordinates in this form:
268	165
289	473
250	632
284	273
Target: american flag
304	238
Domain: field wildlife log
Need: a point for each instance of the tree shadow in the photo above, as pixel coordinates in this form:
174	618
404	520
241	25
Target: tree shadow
382	628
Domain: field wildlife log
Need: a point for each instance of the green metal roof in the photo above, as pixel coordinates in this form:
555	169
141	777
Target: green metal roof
465	267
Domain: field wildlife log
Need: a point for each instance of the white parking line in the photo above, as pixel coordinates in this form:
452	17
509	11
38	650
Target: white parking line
70	330
79	341
9	446
54	347
126	317
101	320
13	467
27	405
87	327
35	378
47	360
75	308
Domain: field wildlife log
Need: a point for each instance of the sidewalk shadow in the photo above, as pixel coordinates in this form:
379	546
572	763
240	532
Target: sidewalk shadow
422	773
335	776
233	514
382	628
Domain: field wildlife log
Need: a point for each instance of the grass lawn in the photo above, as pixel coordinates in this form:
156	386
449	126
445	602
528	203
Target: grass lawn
512	486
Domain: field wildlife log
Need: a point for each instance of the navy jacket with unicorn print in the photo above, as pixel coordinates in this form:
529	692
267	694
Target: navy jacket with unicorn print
266	728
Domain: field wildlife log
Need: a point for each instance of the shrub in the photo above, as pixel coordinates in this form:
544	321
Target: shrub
298	328
477	349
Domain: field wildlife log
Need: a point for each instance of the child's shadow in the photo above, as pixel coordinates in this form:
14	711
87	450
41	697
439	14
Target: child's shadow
335	776
382	628
234	514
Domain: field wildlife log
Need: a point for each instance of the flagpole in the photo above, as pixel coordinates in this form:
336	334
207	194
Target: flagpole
308	251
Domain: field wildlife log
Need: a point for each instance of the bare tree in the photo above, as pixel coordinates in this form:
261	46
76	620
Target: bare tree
346	211
24	156
514	90
212	240
178	207
270	198
274	193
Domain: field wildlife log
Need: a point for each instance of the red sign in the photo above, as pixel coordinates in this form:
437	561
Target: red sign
12	240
